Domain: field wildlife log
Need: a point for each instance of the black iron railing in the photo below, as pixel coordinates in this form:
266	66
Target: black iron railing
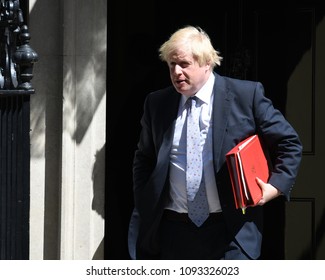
16	72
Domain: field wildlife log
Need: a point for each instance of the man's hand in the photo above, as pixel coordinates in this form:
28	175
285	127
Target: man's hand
268	192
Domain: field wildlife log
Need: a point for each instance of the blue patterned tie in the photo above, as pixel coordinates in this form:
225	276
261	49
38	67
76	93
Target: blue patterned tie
198	209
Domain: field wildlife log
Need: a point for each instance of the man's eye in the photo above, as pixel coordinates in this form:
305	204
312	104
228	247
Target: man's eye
184	65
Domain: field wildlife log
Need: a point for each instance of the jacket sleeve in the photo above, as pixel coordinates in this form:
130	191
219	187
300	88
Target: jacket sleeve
281	139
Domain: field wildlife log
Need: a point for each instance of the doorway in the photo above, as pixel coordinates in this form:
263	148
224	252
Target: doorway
255	40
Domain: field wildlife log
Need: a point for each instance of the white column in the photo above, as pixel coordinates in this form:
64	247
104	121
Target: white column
84	122
68	123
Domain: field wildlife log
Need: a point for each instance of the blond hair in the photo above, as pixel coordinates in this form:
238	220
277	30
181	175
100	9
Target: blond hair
192	40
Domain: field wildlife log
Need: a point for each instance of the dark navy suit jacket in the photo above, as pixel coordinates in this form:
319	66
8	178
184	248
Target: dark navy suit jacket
240	109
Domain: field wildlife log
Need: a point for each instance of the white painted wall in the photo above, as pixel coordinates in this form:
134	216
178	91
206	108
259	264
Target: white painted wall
68	120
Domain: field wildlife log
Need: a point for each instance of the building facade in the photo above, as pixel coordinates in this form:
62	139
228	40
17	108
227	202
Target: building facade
71	181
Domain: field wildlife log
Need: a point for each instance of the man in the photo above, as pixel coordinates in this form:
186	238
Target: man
230	110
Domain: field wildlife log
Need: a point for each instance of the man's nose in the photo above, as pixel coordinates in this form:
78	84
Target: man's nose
177	69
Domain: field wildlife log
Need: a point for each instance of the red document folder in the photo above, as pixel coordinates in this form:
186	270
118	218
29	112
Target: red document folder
245	162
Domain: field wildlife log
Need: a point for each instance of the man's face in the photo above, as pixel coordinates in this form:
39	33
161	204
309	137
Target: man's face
186	74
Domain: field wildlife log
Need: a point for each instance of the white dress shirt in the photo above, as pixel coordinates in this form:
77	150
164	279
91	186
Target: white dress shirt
177	176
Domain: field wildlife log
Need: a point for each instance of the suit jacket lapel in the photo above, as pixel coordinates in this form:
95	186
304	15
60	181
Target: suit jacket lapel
169	123
221	108
160	173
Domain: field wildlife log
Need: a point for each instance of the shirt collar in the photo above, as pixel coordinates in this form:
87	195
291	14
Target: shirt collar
204	94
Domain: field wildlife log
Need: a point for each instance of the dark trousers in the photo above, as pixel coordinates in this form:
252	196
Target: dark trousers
183	240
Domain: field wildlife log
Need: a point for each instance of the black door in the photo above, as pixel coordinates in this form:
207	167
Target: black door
257	42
